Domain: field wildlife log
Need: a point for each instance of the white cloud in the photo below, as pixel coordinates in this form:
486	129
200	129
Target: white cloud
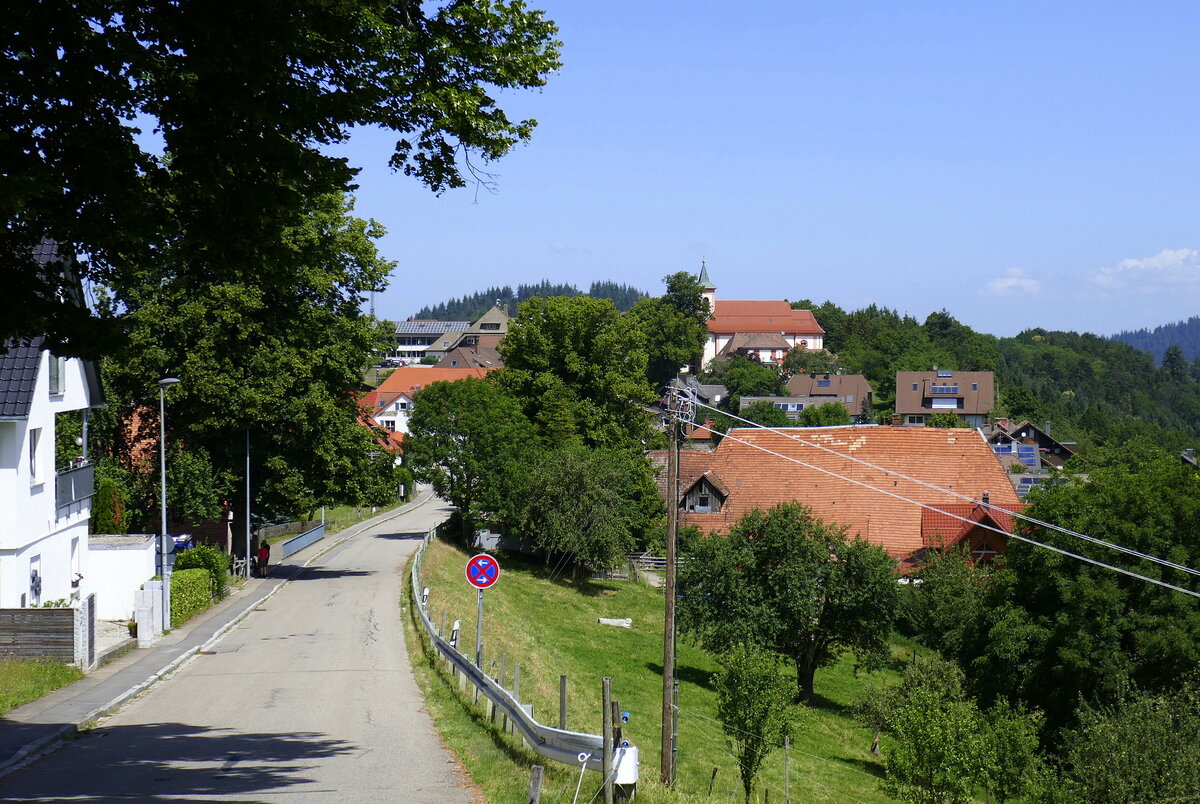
1015	283
1168	271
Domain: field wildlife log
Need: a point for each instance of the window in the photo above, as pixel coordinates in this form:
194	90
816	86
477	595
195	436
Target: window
914	386
916	419
944	403
402	406
58	374
974	386
489	326
389	425
35	438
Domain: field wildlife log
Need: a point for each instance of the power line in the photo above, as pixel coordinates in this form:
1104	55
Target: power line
930	507
1016	514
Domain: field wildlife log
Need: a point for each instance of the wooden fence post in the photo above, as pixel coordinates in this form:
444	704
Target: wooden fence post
562	702
535	785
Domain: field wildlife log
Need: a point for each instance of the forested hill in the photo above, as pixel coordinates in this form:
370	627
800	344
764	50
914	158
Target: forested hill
468	308
1184	333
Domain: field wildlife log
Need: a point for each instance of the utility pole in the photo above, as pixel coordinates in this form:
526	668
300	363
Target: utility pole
678	409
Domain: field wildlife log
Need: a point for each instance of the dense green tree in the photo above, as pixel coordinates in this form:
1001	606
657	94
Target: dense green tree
1056	630
244	100
595	504
944	747
750	690
766	414
806	361
745	377
471	442
277	362
941	610
578	368
675	327
787	582
1144	747
944	418
829	414
1175	365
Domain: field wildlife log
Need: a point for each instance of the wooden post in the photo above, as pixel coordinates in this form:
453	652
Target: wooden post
562	702
668	708
606	761
535	785
503	675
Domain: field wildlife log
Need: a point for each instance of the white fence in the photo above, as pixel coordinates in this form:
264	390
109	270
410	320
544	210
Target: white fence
560	745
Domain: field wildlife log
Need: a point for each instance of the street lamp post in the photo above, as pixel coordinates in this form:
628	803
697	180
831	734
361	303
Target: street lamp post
163	384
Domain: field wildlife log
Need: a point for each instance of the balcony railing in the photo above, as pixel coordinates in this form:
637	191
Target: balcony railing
74	485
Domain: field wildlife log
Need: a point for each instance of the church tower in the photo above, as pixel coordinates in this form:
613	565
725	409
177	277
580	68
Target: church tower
710	290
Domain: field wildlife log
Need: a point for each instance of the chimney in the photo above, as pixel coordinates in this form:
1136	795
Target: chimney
987	498
1046	429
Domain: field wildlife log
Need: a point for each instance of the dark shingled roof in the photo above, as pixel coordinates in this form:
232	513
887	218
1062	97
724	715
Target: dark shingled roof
18	377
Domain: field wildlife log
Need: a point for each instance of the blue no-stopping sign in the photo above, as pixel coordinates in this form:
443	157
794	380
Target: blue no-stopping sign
482	571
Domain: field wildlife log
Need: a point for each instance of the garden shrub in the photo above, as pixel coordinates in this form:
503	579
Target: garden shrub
191	593
216	562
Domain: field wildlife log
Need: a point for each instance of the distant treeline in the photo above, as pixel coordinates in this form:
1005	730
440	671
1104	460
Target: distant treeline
1184	333
468	308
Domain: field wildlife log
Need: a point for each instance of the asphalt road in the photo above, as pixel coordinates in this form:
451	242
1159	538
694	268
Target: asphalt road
310	698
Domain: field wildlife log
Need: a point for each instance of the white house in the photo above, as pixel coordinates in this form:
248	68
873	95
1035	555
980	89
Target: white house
44	508
762	330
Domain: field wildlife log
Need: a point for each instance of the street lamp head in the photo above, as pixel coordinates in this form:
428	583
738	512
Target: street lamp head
166	381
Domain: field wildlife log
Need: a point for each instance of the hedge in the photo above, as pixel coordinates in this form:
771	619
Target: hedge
191	593
215	561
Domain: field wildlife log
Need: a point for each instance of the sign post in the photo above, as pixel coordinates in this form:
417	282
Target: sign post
482	571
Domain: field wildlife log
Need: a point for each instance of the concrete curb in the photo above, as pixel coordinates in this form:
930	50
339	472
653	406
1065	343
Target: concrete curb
48	742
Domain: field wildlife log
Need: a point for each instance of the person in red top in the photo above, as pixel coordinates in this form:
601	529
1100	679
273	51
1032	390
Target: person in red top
264	555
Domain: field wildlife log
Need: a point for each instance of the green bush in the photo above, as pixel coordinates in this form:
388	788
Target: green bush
109	506
191	593
211	559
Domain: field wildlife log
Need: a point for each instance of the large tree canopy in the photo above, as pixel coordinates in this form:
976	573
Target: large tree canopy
787	582
578	368
242	98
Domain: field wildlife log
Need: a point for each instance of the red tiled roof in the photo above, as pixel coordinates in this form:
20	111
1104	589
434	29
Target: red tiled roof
942	527
409	379
955	459
730	317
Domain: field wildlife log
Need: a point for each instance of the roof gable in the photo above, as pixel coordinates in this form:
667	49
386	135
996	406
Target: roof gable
19	365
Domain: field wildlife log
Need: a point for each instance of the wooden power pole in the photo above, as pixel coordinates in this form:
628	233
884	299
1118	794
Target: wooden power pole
668	706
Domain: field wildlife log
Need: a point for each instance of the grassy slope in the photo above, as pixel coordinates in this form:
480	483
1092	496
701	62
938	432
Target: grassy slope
551	628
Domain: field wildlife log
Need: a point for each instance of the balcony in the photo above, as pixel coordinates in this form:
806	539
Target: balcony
74	485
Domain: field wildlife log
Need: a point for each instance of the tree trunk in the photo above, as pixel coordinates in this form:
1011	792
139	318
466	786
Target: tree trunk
805	673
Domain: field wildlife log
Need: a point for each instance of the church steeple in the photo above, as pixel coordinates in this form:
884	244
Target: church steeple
708	289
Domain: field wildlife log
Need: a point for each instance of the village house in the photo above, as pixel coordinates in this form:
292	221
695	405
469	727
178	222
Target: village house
970	395
852	390
390	404
44	506
847	475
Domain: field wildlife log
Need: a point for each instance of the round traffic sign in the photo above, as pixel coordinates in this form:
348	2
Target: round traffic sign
482	571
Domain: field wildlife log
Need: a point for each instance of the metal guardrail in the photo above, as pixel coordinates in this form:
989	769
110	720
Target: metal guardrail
560	745
298	543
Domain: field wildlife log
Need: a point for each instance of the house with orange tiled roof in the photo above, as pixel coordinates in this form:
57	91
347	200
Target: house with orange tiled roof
980	527
762	330
854	475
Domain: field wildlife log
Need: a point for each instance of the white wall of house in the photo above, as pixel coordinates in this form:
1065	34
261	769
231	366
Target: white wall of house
394	416
715	343
120	565
34	533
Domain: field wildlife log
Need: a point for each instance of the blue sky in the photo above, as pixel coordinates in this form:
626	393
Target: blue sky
1019	164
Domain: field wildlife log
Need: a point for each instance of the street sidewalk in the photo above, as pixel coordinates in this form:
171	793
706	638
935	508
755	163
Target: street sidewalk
42	725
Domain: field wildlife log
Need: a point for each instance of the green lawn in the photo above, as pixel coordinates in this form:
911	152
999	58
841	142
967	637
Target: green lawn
22	681
550	628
